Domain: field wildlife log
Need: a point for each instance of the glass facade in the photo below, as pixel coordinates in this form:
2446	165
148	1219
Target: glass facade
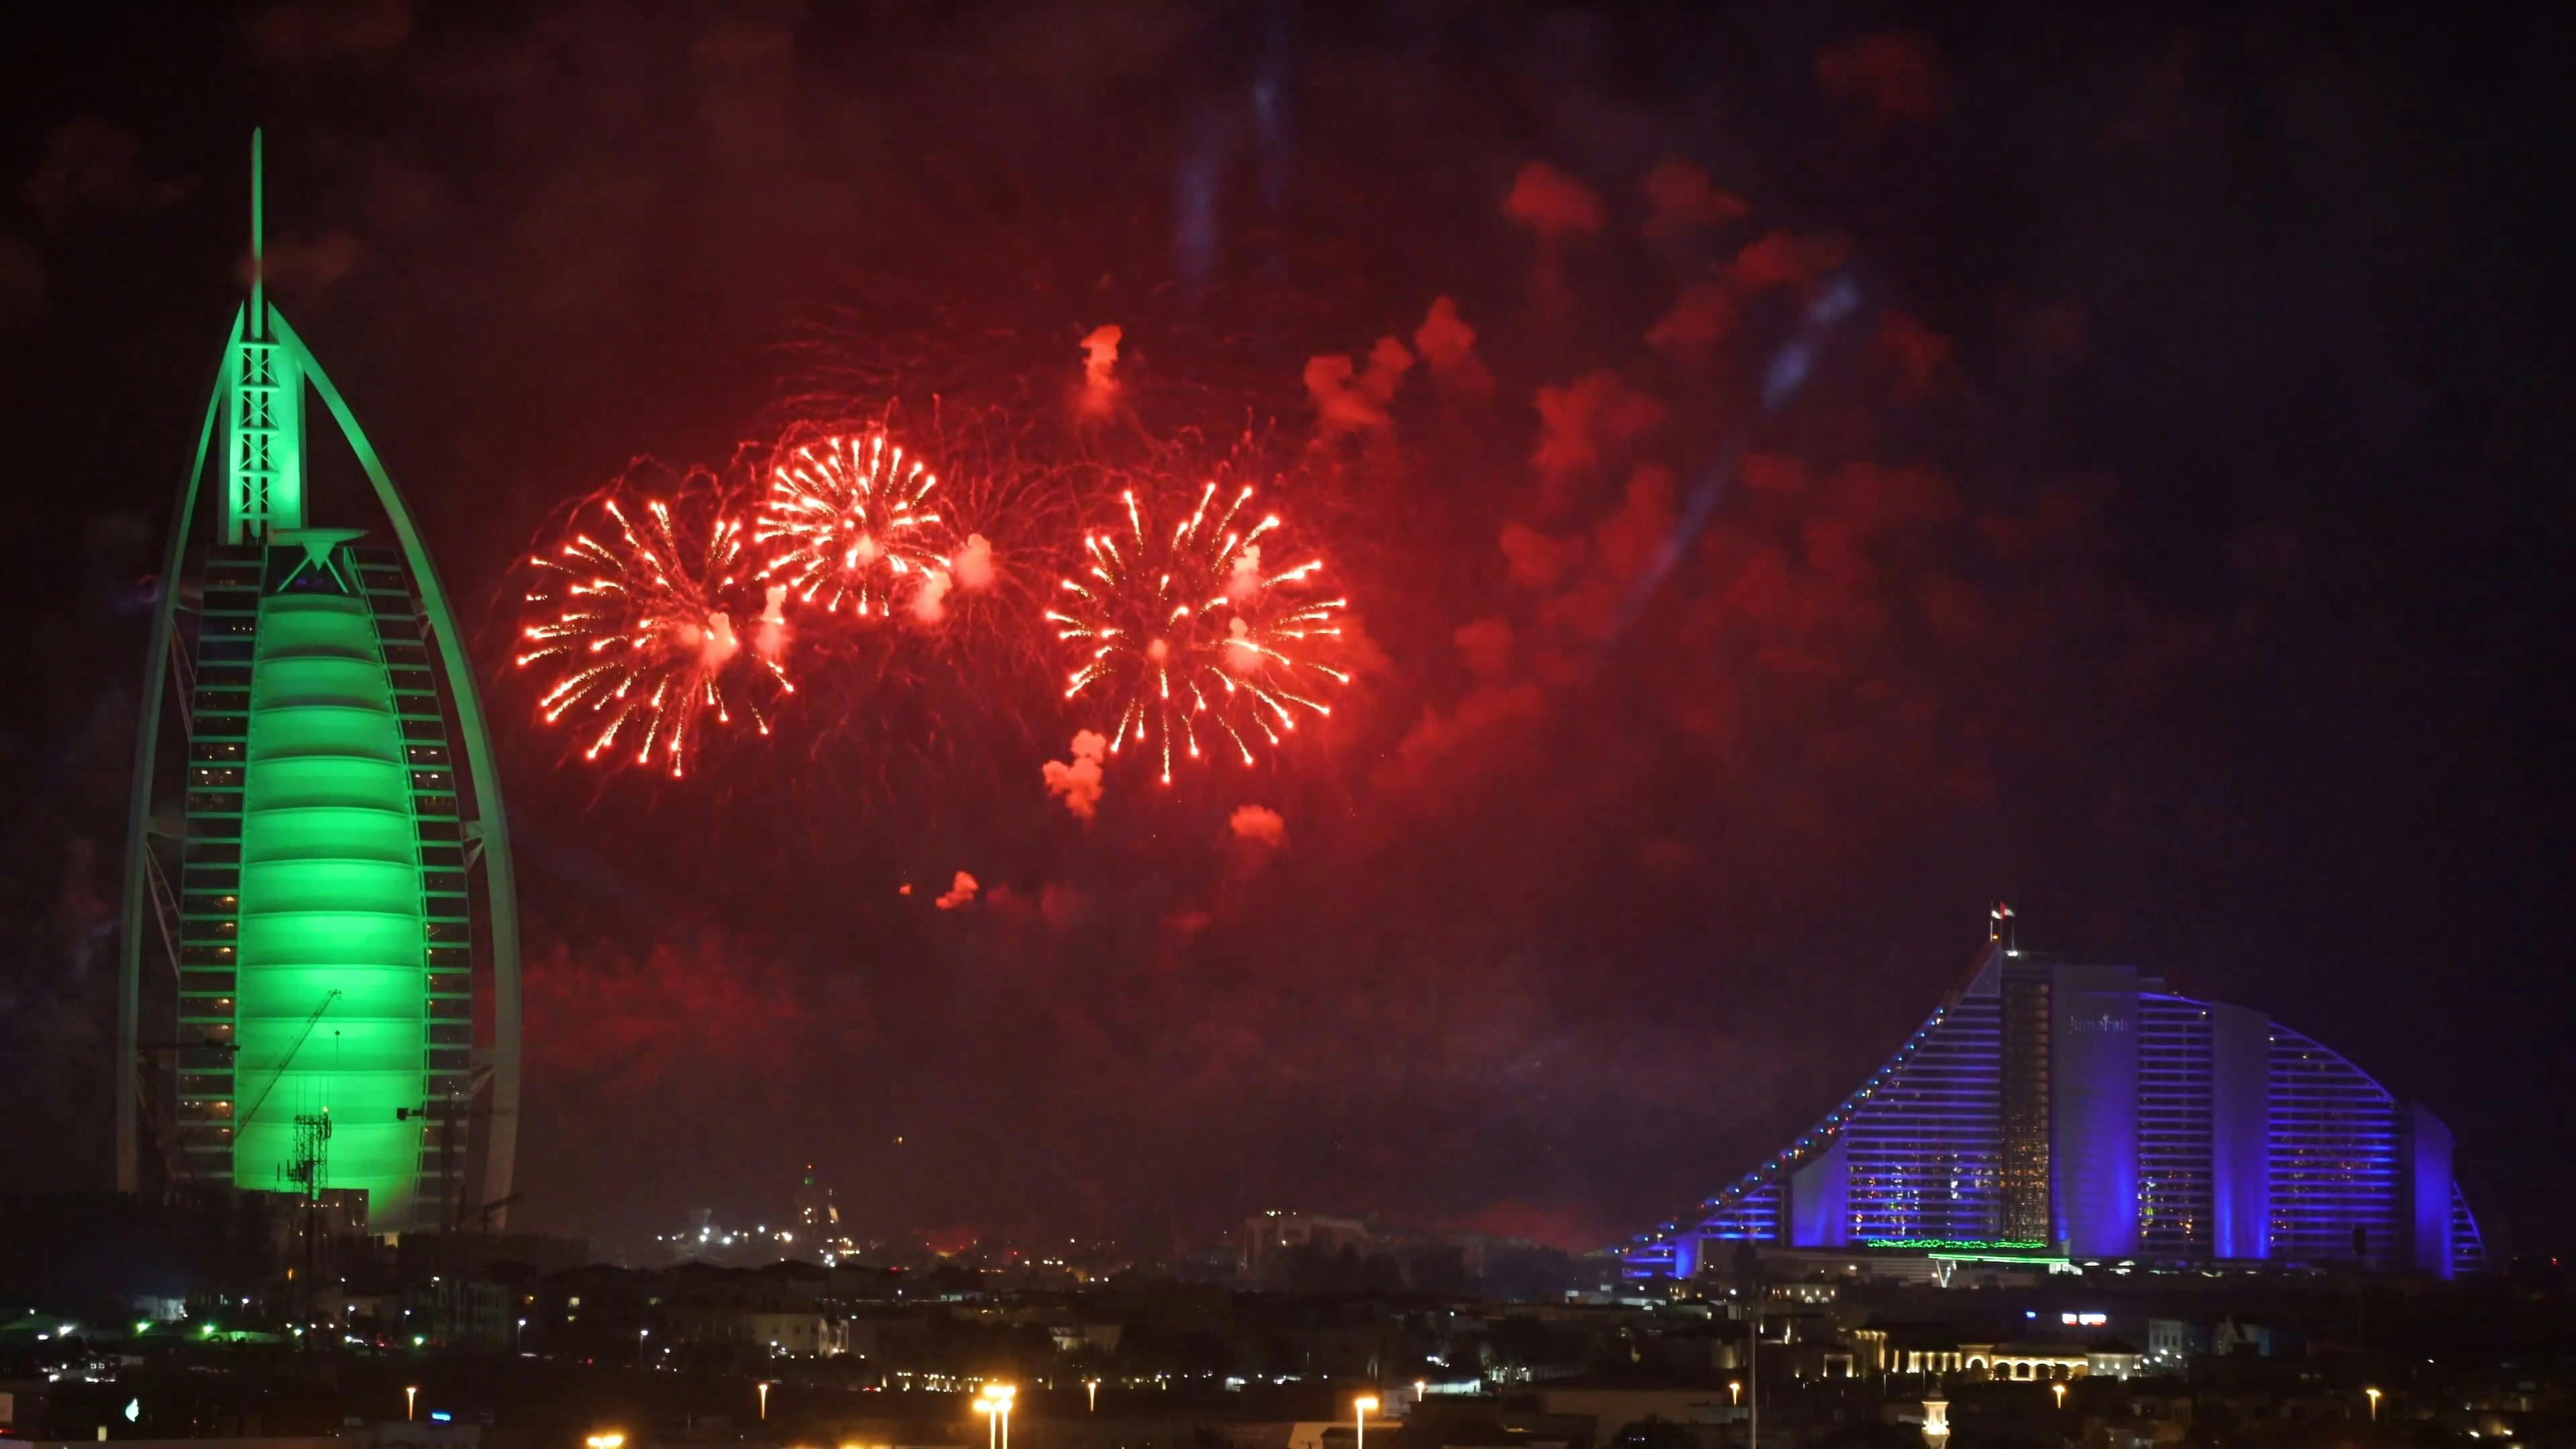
1925	1151
2174	1080
2468	1249
2334	1157
2028	1209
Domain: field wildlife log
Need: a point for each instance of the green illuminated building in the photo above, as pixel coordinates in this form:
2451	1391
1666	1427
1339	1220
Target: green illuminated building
319	985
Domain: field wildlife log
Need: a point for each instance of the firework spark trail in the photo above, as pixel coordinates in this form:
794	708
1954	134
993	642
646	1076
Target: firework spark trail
640	637
848	520
1188	636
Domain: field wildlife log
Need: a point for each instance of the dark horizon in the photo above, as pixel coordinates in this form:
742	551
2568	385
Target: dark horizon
1845	468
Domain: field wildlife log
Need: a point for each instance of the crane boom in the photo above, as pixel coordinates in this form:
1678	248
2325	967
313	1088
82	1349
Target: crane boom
285	1061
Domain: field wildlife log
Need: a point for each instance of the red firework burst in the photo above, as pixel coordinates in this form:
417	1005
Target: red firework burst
849	521
1188	630
640	630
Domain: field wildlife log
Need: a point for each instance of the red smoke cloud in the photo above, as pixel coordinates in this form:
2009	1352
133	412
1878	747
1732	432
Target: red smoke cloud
1584	423
1345	403
1448	345
1895	76
1078	781
1100	370
1558	1225
1624	544
306	32
299	264
1493	727
1702	318
1258	824
1915	355
1682	201
1707	314
960	893
1786	259
1552	203
1535	560
1487	644
629	1025
973	565
90	164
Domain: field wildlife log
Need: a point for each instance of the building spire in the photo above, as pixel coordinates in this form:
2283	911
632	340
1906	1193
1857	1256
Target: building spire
258	309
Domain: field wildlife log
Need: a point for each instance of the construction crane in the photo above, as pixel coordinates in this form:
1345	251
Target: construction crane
284	1062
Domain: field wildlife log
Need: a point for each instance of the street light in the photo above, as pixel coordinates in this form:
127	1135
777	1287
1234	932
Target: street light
2059	1389
411	1397
1092	1387
764	1401
609	1440
1360	1407
996	1401
641	1334
2374	1404
1734	1391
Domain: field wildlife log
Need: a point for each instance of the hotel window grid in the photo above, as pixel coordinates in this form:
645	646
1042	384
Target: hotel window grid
2174	1071
1925	1150
2334	1156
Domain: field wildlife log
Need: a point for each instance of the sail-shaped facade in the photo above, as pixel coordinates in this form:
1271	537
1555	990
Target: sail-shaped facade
319	980
2050	1111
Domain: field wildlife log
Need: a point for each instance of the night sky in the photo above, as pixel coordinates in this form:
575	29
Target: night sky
1831	468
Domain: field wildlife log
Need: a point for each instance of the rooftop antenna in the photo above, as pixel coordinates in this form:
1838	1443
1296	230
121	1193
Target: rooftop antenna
1998	928
258	278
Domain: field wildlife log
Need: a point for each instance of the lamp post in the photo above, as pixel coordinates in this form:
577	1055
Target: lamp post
411	1400
2374	1404
1360	1409
764	1401
1002	1396
641	1334
1734	1391
2059	1389
995	1403
1091	1387
1753	1371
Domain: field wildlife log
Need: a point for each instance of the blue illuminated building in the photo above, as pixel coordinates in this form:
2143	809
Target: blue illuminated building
2086	1113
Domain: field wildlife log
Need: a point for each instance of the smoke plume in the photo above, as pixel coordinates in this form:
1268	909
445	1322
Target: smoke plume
1078	780
1260	825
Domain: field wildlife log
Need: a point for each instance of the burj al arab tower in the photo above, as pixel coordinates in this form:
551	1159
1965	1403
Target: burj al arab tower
320	974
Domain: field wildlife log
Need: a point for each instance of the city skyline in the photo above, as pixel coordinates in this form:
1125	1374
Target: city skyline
1784	484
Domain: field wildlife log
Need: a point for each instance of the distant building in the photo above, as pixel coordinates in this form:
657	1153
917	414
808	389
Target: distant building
818	1218
2085	1112
1269	1238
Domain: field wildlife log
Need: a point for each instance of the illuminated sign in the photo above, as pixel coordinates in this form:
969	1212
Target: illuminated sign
1960	1245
